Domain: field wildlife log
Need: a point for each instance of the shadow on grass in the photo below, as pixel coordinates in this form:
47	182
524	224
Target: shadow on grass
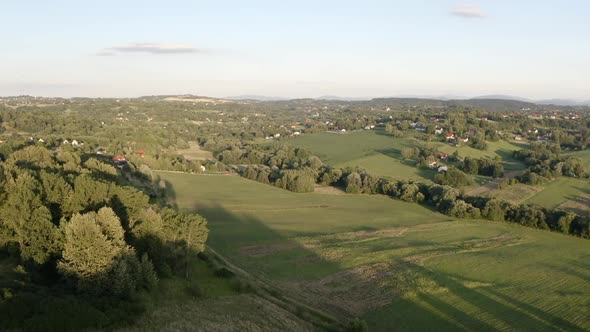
299	276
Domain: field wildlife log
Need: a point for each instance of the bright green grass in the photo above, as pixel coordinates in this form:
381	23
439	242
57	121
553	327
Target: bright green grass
337	253
560	190
584	155
380	154
502	149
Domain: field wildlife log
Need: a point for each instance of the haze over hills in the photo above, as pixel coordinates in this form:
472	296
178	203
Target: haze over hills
556	101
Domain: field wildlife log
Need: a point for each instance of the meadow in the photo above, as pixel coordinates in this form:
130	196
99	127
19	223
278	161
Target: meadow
397	265
380	154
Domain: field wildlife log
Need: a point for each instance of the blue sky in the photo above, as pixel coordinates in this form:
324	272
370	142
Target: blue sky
534	49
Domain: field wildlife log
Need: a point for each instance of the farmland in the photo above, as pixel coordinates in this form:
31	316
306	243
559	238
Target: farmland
380	154
372	150
396	265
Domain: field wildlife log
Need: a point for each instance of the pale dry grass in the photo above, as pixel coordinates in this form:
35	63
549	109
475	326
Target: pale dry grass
246	312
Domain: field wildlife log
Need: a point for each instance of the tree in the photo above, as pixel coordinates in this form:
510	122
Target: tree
28	221
188	231
92	244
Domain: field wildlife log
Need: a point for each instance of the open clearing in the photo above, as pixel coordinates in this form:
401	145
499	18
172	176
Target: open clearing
194	152
560	191
397	265
380	154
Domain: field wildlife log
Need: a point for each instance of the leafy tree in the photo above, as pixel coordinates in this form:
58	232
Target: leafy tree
28	222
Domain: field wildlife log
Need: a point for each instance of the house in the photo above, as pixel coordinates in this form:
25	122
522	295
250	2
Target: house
101	151
443	156
343	130
41	140
450	136
75	143
120	161
432	164
66	142
140	153
517	138
119	158
465	140
203	168
443	169
296	133
438	131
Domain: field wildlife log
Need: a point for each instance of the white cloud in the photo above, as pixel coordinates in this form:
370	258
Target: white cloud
468	11
149	48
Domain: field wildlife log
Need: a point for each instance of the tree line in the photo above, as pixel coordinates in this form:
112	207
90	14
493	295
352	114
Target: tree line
301	172
73	226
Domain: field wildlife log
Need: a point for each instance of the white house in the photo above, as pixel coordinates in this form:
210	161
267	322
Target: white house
438	131
443	169
203	168
75	143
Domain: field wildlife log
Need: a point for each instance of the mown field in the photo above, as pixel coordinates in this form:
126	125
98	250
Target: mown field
380	154
397	265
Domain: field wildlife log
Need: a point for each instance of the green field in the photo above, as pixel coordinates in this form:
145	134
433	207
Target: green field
373	150
397	265
559	191
380	154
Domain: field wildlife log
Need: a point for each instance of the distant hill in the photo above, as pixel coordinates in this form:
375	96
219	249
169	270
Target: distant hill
342	98
256	97
493	105
564	102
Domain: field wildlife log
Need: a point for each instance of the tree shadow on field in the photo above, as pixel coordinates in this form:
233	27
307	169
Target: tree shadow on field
307	274
509	311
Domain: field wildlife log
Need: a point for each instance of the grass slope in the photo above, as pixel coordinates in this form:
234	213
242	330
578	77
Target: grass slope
372	150
397	265
559	191
380	154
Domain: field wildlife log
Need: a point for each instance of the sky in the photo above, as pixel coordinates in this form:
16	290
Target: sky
534	49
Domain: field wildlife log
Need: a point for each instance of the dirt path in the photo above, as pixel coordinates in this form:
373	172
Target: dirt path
492	184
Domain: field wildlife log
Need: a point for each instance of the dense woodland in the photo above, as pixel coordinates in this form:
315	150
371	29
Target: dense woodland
84	231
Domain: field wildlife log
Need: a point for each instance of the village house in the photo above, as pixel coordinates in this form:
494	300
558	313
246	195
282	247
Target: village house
443	169
438	131
450	136
120	161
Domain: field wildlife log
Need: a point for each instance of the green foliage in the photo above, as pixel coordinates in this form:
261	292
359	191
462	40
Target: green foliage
453	177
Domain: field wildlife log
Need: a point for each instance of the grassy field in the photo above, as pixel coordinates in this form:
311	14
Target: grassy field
559	191
372	150
194	152
206	302
397	265
380	154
